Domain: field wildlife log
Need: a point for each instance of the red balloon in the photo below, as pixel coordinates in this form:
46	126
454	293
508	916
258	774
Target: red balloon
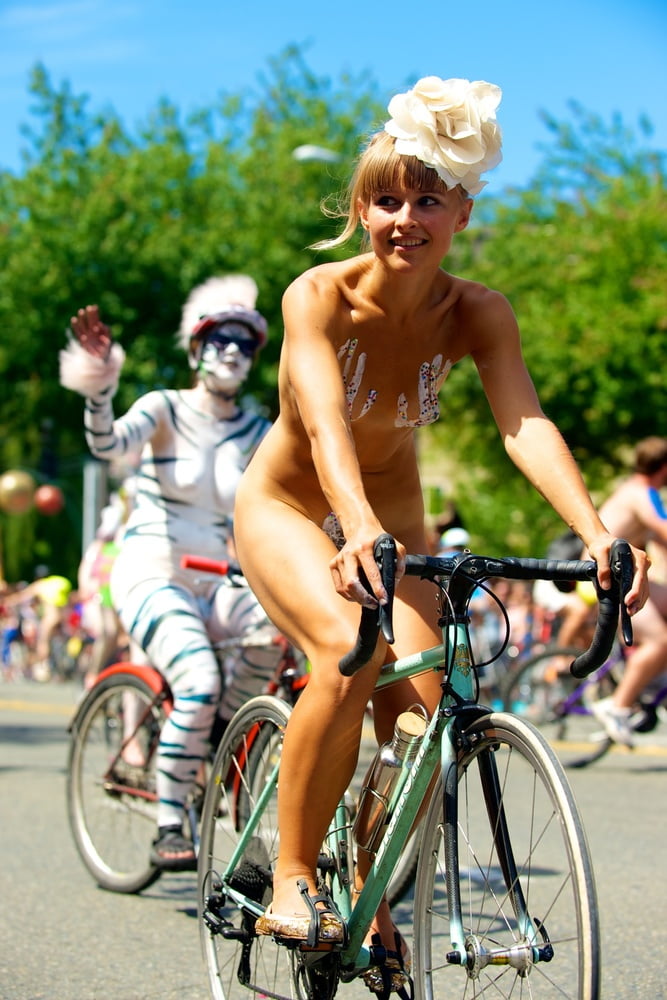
49	499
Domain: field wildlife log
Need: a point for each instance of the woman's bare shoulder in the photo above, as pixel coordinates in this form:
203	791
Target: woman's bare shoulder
483	311
477	297
323	284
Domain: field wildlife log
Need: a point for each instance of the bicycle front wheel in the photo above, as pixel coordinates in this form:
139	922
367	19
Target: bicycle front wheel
527	889
240	825
112	804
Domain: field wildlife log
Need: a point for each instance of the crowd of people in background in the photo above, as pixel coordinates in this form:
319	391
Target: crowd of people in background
52	630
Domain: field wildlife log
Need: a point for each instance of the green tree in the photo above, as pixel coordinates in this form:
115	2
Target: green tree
133	223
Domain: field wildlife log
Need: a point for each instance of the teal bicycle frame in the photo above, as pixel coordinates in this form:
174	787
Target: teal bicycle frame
485	762
437	745
415	780
409	792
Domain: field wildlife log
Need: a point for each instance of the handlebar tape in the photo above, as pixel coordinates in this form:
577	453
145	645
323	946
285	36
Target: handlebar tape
610	601
374	620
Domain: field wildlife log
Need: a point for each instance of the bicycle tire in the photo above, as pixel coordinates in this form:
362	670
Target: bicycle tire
113	815
554	873
542	690
232	951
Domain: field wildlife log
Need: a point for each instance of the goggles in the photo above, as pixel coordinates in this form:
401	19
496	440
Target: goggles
246	345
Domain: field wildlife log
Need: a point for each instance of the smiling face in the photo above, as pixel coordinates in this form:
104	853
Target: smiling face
411	224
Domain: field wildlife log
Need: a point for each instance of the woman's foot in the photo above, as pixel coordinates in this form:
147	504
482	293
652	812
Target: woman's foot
133	754
173	852
313	920
389	971
390	962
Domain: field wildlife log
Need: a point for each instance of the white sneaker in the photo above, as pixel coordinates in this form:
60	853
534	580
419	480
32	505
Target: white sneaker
616	721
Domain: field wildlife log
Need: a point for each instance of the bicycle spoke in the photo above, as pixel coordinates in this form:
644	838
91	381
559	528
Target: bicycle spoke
549	949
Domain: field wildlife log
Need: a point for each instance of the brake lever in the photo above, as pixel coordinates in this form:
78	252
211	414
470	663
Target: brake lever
376	618
620	559
384	553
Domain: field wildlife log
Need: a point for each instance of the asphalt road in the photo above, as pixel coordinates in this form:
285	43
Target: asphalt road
61	938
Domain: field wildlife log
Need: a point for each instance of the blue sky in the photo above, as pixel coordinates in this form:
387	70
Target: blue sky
610	55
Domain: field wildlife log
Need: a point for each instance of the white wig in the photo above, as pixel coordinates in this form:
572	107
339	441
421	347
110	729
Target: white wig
233	293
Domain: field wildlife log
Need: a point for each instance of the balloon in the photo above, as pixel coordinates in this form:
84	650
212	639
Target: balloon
17	489
49	499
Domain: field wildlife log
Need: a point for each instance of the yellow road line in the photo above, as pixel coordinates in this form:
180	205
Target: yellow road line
642	750
39	708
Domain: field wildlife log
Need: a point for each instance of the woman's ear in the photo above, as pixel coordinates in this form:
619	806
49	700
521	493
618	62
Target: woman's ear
464	215
363	214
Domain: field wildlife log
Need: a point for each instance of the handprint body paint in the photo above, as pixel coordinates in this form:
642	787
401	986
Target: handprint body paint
432	374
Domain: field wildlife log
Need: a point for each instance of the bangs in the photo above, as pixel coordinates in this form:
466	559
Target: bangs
383	169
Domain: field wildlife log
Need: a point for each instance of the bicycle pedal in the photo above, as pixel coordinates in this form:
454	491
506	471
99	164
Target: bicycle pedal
217	924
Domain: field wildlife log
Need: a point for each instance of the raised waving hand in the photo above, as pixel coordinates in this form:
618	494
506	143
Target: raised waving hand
93	335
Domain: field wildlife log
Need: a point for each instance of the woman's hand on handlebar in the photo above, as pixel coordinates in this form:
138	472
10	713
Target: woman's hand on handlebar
637	594
355	561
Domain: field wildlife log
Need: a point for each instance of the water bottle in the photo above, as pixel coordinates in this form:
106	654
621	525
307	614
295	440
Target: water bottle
378	786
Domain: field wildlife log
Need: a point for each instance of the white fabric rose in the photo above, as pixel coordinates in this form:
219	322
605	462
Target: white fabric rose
449	125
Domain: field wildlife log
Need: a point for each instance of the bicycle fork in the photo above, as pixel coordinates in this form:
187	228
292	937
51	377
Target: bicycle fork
467	950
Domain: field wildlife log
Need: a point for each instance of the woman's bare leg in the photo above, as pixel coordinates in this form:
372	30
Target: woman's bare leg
324	732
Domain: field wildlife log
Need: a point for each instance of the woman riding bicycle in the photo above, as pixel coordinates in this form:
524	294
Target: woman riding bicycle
368	344
195	444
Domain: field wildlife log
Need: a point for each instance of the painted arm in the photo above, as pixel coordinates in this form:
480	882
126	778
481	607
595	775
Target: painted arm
91	365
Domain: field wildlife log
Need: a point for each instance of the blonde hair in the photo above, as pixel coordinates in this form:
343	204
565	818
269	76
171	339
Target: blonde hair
379	168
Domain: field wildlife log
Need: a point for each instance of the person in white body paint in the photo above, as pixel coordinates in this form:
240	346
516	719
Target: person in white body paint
194	445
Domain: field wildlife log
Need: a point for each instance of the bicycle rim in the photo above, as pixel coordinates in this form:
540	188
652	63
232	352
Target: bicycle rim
112	808
554	875
239	962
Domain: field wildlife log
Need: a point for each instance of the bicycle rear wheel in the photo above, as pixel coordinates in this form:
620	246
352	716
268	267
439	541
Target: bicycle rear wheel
543	691
505	764
238	961
112	806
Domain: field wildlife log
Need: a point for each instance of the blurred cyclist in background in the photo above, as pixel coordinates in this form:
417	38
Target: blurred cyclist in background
195	444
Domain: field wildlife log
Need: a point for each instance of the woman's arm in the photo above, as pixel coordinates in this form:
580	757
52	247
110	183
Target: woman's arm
533	442
111	438
312	311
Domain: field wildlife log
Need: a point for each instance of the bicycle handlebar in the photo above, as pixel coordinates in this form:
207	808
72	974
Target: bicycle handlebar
472	570
374	620
223	567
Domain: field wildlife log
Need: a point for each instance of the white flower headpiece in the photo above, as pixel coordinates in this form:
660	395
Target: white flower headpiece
450	125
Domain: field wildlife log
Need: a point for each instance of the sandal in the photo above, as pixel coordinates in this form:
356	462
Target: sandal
320	926
389	971
172	852
130	775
